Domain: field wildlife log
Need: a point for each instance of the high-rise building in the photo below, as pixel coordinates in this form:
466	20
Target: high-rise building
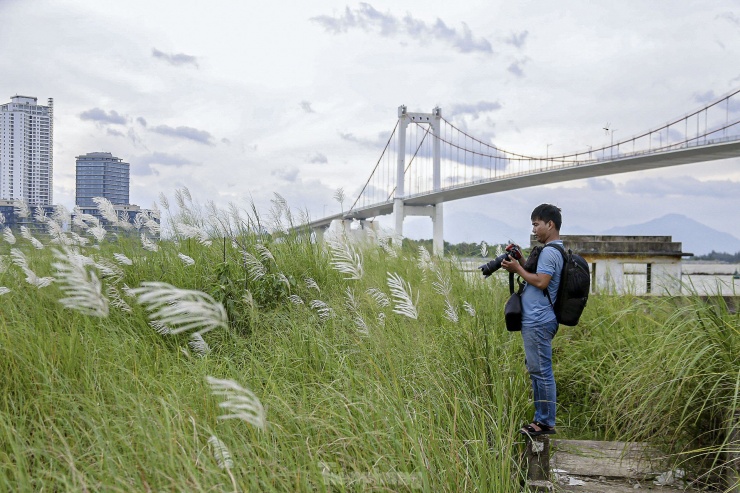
27	151
101	174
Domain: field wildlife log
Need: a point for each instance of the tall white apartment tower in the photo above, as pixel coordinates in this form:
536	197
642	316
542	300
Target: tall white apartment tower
27	151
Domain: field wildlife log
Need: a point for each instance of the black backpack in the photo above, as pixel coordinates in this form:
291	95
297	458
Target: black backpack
575	284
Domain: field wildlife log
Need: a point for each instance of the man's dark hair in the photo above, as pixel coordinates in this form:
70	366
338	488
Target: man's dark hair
547	213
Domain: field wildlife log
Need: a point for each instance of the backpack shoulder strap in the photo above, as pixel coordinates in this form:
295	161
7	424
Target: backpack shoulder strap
565	261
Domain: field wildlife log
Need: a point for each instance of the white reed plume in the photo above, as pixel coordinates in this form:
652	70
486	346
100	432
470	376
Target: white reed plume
3	264
387	246
155	213
116	300
248	299
56	233
322	308
98	233
4	290
189	231
284	279
147	244
499	250
241	402
124	221
39	215
78	240
61	215
128	291
82	287
154	228
163	201
352	302
401	293
122	259
346	259
19	259
21	209
106	209
181	309
8	236
483	249
451	311
254	267
109	270
469	308
198	345
311	284
2	218
295	299
160	328
185	259
380	297
220	452
361	325
425	259
26	233
264	253
139	220
443	285
381	319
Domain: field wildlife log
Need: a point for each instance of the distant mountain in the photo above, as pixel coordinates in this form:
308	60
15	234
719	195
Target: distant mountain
695	237
468	228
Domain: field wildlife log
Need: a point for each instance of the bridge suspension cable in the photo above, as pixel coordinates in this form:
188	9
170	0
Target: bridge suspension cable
466	159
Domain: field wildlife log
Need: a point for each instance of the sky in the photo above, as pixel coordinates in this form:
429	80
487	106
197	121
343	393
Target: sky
237	100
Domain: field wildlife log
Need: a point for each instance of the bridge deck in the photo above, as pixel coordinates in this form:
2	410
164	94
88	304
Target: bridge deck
556	174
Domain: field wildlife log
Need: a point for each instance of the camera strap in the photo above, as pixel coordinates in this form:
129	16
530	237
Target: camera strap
511	284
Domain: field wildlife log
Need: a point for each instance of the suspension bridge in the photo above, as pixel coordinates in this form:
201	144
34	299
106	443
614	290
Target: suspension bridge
428	161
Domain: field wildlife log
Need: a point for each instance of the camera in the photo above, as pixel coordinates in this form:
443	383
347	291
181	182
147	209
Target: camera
513	251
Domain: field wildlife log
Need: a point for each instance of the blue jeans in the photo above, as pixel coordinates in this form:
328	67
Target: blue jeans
538	351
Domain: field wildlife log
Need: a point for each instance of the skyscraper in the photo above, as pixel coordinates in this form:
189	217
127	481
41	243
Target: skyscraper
101	174
27	151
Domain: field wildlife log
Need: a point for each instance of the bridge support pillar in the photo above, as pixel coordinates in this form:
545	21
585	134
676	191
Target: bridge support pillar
438	239
435	212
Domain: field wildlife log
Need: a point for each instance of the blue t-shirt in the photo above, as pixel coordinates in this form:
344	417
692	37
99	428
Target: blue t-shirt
536	308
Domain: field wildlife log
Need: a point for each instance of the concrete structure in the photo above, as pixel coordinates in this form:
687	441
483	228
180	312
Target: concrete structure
629	264
27	151
100	174
433	210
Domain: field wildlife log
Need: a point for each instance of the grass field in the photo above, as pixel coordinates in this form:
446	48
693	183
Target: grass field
238	356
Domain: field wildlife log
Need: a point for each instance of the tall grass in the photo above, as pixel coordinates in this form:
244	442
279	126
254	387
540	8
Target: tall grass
361	366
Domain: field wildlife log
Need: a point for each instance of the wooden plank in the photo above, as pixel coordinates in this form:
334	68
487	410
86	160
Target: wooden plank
608	459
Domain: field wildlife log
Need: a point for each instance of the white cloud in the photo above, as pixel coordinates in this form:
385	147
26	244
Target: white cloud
245	123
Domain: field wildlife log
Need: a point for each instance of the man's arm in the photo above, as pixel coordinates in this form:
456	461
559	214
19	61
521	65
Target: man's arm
540	281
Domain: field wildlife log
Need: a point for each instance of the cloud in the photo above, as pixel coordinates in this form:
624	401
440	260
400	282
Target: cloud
684	186
377	143
317	158
100	116
306	106
141	121
517	40
601	184
474	109
142	165
162	158
367	18
289	174
188	133
176	59
516	69
114	132
730	17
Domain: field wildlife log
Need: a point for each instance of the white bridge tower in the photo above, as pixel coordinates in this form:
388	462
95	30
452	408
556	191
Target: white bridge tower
432	210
